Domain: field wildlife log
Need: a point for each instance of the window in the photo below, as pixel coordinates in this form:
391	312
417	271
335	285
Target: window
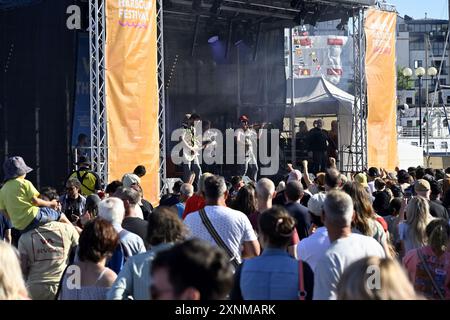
428	28
443	81
409	100
431	145
444	145
448	99
409	123
417	64
417	123
415	144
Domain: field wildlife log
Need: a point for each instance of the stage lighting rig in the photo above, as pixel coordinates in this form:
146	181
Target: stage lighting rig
308	14
344	22
216	7
196	5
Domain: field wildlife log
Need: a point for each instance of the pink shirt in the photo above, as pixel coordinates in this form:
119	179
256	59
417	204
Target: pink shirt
439	267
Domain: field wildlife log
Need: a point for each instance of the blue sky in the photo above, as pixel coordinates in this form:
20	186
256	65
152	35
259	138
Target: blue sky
437	9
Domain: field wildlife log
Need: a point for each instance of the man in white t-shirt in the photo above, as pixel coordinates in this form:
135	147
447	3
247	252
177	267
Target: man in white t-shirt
314	247
232	226
346	247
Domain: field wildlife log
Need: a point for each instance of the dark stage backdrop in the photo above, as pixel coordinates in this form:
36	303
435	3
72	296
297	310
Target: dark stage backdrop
218	87
36	91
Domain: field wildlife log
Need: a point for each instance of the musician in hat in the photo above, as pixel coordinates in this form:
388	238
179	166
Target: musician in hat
247	137
192	146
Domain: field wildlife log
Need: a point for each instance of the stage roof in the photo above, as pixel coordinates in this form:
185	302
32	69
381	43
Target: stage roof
284	11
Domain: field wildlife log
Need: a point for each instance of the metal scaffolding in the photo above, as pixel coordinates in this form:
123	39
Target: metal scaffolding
357	157
98	116
99	135
162	98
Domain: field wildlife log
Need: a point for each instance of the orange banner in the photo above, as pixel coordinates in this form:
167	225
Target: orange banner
132	91
381	89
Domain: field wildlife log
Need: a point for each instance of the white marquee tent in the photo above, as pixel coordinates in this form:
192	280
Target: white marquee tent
317	97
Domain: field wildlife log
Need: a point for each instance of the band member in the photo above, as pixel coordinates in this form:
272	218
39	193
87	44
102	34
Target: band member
246	137
333	141
192	143
301	142
318	144
209	147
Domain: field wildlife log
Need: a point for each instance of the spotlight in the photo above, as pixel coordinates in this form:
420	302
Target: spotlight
213	39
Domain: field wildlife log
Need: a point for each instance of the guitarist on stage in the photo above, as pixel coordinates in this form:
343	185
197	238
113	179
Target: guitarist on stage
191	162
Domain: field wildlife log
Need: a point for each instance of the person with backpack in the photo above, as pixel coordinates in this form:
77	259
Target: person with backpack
274	275
216	223
90	181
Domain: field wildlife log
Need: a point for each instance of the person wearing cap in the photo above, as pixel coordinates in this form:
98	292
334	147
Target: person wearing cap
191	146
90	181
423	189
19	199
312	248
246	140
361	179
130	178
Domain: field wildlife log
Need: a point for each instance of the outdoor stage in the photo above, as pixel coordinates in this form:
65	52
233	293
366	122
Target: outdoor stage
242	72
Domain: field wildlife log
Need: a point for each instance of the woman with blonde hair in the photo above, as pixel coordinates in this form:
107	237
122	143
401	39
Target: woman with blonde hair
12	285
429	267
374	278
412	230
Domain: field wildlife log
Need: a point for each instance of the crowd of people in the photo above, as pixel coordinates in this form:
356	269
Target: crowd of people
373	235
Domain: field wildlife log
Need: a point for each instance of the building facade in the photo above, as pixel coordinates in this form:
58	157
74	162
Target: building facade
421	43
